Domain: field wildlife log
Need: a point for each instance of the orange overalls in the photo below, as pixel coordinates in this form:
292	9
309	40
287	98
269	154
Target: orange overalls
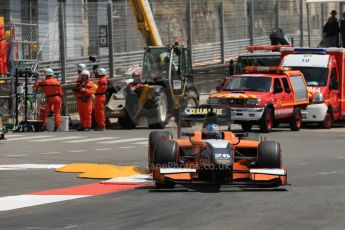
84	104
53	91
3	54
100	101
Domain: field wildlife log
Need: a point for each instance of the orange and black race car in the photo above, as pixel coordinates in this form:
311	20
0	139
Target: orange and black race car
213	156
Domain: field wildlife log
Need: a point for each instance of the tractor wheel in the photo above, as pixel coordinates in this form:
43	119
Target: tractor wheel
154	138
190	102
247	127
269	155
126	122
267	120
296	120
158	116
328	121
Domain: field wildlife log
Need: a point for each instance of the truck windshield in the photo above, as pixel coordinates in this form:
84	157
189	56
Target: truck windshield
249	83
314	76
260	60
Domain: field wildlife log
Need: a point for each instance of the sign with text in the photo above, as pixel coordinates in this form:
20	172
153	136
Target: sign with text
103	36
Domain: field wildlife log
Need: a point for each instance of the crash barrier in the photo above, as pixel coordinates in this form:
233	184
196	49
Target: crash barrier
121	61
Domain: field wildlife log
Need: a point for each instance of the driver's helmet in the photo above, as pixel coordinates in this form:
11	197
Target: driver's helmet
212	131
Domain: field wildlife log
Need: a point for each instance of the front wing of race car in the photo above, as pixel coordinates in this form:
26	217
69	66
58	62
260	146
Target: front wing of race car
255	176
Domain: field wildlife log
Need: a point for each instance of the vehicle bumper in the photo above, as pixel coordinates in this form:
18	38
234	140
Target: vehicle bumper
246	114
314	113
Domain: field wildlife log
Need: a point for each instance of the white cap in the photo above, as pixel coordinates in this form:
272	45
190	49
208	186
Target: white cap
102	71
49	72
81	67
85	72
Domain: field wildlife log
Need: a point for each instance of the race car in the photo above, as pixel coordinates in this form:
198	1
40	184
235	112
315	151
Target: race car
211	155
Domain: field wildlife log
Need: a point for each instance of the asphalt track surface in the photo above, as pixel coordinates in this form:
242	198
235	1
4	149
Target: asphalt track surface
315	160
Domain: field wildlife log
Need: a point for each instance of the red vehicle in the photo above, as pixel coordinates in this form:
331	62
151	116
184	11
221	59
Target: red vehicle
256	56
323	70
265	96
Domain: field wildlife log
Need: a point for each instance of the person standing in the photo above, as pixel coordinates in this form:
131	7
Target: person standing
53	91
83	92
342	30
102	85
331	31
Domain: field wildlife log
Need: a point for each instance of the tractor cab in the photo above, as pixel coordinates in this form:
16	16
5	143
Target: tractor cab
170	66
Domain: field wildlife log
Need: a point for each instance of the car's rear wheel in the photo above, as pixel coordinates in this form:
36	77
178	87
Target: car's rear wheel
328	121
247	127
296	120
269	155
267	120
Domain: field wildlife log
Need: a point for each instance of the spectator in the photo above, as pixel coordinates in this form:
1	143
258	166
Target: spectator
342	30
331	31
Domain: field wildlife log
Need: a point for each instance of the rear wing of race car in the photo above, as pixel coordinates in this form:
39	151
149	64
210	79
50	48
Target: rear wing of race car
204	112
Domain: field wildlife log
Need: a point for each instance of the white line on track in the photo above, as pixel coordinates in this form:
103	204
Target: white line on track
341	157
91	139
105	149
57	139
123	140
28	138
141	143
49	153
16	155
13	135
327	173
77	151
126	147
30	166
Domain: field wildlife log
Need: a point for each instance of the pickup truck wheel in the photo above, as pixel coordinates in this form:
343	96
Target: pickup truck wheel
158	115
154	138
269	155
266	122
247	127
328	121
296	120
126	122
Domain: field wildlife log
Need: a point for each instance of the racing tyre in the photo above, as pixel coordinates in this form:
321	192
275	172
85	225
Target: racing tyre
158	115
166	153
126	122
154	138
269	155
296	120
253	137
266	122
328	121
247	127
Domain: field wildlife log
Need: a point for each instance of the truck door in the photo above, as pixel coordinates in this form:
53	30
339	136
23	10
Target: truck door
334	94
288	98
180	70
278	99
